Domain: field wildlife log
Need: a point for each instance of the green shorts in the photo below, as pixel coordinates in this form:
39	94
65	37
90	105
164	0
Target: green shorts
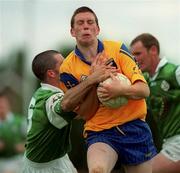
61	165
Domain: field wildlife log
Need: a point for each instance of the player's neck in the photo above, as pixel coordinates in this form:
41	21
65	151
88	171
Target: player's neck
89	52
154	66
53	82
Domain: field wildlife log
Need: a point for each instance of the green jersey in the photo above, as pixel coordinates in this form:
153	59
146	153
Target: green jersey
48	133
164	100
12	132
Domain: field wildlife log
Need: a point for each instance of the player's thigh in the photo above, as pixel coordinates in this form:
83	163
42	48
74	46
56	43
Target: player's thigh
145	167
101	156
168	160
161	164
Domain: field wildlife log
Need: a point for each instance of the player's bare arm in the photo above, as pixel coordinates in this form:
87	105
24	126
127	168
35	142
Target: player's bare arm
89	106
116	88
75	95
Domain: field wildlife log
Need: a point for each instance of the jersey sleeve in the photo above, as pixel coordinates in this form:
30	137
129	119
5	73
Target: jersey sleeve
55	114
177	73
129	66
67	79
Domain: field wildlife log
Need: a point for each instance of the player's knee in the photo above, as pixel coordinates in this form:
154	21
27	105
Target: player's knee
98	169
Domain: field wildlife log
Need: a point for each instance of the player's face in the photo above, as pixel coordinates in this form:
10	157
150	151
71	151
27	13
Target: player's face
4	108
85	29
142	56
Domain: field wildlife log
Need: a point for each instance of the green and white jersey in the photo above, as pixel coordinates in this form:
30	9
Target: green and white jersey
48	133
12	132
164	100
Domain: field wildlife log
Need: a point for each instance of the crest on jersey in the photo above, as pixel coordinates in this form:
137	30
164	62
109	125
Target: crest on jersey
57	96
111	62
83	77
165	85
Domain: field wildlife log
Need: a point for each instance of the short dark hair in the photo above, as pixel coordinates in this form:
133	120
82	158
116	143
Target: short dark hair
147	40
43	62
3	93
82	10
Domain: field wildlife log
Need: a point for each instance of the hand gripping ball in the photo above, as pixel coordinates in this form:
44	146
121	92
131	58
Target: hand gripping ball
118	101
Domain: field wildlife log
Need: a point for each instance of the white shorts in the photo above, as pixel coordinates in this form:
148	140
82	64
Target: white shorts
171	148
12	164
61	165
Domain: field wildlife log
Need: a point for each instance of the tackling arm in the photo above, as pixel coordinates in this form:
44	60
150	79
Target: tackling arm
75	95
89	105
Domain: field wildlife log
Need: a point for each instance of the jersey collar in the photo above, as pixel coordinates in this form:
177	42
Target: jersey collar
162	62
100	48
46	86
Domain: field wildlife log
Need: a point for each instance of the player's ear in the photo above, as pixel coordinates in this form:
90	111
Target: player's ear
153	50
72	32
98	30
51	73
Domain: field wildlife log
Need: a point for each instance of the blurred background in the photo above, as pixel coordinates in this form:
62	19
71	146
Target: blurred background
28	27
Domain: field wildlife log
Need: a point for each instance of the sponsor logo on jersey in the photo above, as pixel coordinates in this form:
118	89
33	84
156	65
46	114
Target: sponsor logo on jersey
56	97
